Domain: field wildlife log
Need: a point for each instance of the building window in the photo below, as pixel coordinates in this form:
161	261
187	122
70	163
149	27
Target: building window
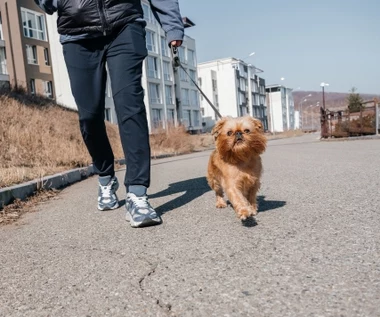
171	116
32	86
191	57
214	85
1	29
48	89
148	14
182	75
33	24
107	114
156	118
185	97
194	98
182	54
196	118
46	55
153	67
151	41
3	61
169	95
187	117
154	93
216	101
167	73
31	53
164	47
192	75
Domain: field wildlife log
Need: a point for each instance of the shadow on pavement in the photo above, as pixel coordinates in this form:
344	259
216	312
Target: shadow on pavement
266	205
192	188
196	187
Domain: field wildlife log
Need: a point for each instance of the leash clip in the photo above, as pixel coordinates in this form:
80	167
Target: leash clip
176	59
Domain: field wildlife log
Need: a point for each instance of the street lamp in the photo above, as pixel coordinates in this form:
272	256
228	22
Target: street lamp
323	85
323	112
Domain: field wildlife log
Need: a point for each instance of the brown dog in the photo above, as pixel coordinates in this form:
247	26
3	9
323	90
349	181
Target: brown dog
235	165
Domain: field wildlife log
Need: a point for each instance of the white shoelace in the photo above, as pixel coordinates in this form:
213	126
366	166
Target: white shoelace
106	191
140	202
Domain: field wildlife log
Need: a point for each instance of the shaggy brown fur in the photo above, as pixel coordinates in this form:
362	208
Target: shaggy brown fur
235	166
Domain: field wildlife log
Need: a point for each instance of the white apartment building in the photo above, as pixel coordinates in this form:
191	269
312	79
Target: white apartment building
281	108
4	76
234	88
170	99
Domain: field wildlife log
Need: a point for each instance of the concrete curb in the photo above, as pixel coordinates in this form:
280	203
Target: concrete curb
60	180
24	190
353	138
56	181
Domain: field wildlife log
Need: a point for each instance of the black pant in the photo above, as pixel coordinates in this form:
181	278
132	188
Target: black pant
124	53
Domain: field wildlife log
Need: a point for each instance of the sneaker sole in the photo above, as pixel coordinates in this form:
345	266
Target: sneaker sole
148	222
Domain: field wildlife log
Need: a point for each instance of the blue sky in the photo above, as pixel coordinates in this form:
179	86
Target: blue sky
306	42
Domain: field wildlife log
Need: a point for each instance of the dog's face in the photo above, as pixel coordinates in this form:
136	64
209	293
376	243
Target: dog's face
239	138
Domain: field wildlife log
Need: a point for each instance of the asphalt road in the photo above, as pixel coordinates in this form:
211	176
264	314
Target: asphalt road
314	251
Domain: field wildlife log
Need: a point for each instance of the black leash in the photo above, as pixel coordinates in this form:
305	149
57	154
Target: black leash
177	63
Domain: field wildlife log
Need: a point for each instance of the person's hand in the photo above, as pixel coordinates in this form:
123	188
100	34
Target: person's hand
176	43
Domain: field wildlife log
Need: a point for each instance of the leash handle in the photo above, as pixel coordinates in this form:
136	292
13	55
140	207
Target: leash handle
176	59
177	63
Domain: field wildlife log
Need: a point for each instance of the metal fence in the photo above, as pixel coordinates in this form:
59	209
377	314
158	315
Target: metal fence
344	123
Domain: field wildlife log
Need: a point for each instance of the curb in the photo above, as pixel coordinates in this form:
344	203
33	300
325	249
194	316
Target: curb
353	138
24	190
60	180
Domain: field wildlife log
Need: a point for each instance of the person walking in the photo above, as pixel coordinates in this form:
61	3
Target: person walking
96	33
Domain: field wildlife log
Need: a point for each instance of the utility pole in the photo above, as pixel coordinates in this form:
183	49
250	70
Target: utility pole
324	127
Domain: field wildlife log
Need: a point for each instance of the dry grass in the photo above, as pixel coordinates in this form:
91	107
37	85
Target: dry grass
175	140
14	211
40	140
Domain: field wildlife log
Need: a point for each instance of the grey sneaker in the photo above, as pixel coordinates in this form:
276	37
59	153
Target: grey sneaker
107	199
139	212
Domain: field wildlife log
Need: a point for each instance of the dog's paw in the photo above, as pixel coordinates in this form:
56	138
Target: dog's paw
253	211
245	212
220	203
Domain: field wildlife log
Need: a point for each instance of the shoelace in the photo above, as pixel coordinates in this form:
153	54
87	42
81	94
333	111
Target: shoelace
140	202
106	190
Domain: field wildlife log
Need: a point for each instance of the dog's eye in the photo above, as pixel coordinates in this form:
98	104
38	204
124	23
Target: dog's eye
229	133
246	131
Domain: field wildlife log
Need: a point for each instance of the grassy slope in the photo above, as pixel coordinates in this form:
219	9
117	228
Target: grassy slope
39	138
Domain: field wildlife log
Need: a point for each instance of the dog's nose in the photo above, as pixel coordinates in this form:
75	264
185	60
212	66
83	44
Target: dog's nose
238	135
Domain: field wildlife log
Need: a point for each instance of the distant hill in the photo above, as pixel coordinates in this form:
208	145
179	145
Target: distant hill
333	100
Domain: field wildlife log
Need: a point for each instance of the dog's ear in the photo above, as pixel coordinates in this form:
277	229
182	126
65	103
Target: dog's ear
217	127
258	124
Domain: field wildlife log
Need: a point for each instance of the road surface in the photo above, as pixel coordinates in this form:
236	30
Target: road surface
313	251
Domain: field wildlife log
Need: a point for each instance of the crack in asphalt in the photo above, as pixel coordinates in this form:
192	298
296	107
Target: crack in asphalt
167	308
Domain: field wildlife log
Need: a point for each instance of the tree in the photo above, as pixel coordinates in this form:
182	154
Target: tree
354	101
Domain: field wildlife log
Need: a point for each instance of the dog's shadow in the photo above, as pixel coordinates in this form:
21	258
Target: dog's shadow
191	188
196	187
263	206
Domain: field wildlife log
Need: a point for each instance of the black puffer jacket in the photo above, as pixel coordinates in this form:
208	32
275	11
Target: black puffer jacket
92	16
78	17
